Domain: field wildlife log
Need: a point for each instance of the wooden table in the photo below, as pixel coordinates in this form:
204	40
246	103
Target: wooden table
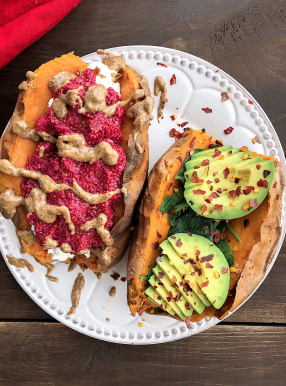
245	38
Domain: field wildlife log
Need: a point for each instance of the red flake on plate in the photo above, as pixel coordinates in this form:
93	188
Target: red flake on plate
207	110
199	192
155	245
262	183
226	173
205	162
224	96
218	207
224	270
173	80
266	173
188	322
253	203
250	102
183	124
229	130
115	276
123	279
173	117
162	64
205	284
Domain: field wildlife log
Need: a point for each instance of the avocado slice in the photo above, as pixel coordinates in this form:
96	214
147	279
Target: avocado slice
211	152
160	290
185	269
235	185
153	297
198	163
170	287
213	270
182	286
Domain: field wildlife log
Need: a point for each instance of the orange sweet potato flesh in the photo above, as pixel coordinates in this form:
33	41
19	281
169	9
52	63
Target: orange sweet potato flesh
251	259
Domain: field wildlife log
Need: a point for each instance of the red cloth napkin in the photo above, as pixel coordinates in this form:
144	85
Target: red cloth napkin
22	22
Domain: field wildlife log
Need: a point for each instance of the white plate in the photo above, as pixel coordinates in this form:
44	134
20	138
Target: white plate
199	85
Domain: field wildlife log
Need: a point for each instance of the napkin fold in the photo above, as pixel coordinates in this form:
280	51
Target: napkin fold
22	22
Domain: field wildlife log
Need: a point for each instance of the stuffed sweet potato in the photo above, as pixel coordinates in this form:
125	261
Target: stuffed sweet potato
252	251
80	163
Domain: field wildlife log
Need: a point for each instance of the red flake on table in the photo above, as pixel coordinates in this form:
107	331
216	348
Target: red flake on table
115	276
159	235
155	245
173	80
197	180
123	279
262	183
224	270
207	110
205	162
257	139
226	173
173	117
229	130
199	192
207	259
208	265
193	141
205	284
218	207
248	190
162	64
250	102
253	203
217	180
224	96
266	173
179	243
216	153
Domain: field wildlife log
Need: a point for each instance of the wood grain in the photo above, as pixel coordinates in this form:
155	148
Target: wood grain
225	355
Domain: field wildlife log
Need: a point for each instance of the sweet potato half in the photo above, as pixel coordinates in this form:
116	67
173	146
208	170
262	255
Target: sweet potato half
31	104
254	253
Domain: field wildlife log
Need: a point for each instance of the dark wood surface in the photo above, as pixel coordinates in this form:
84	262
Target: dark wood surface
245	38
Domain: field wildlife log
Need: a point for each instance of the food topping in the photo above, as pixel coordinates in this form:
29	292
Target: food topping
160	87
20	263
76	293
224	96
207	110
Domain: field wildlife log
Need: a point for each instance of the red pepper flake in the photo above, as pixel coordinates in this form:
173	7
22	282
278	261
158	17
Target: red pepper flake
266	173
199	192
173	237
205	162
253	203
173	133
215	173
231	193
190	234
187	306
216	153
159	259
207	110
178	297
115	276
155	245
262	183
205	284
211	188
219	190
162	64
173	117
275	184
168	299
159	235
160	275
180	159
193	141
224	270
217	142
173	80
209	182
209	199
183	124
246	223
215	195
208	265
258	166
248	190
229	130
224	96
218	207
123	279
173	213
204	208
257	139
217	180
197	180
250	102
230	152
207	258
188	322
179	243
226	173
238	191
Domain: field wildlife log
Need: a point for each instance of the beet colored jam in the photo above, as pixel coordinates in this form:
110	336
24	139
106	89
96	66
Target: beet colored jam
95	178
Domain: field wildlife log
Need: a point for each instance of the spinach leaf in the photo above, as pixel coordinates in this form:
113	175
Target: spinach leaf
225	248
147	277
170	202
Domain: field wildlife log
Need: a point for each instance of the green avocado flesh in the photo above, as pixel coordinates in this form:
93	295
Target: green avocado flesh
192	273
224	183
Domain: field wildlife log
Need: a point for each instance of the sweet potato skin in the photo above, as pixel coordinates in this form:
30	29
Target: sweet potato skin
252	258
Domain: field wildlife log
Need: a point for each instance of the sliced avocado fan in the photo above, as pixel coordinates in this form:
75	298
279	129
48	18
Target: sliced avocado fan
192	273
226	183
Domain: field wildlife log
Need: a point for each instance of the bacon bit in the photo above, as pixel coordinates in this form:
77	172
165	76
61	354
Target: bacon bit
205	284
159	235
217	142
224	96
173	117
162	64
155	245
262	183
207	110
246	223
216	275
211	188
115	276
168	299
229	130
199	192
226	173
160	275
244	148
248	190
183	124
253	203
224	270
188	322
209	199
193	141
218	207
250	102
173	80
204	208
197	180
216	153
217	180
266	173
179	243
207	258
205	162
208	265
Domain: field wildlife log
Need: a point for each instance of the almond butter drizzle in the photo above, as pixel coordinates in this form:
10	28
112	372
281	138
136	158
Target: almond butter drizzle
59	80
50	267
70	98
76	292
160	86
21	129
98	224
20	263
